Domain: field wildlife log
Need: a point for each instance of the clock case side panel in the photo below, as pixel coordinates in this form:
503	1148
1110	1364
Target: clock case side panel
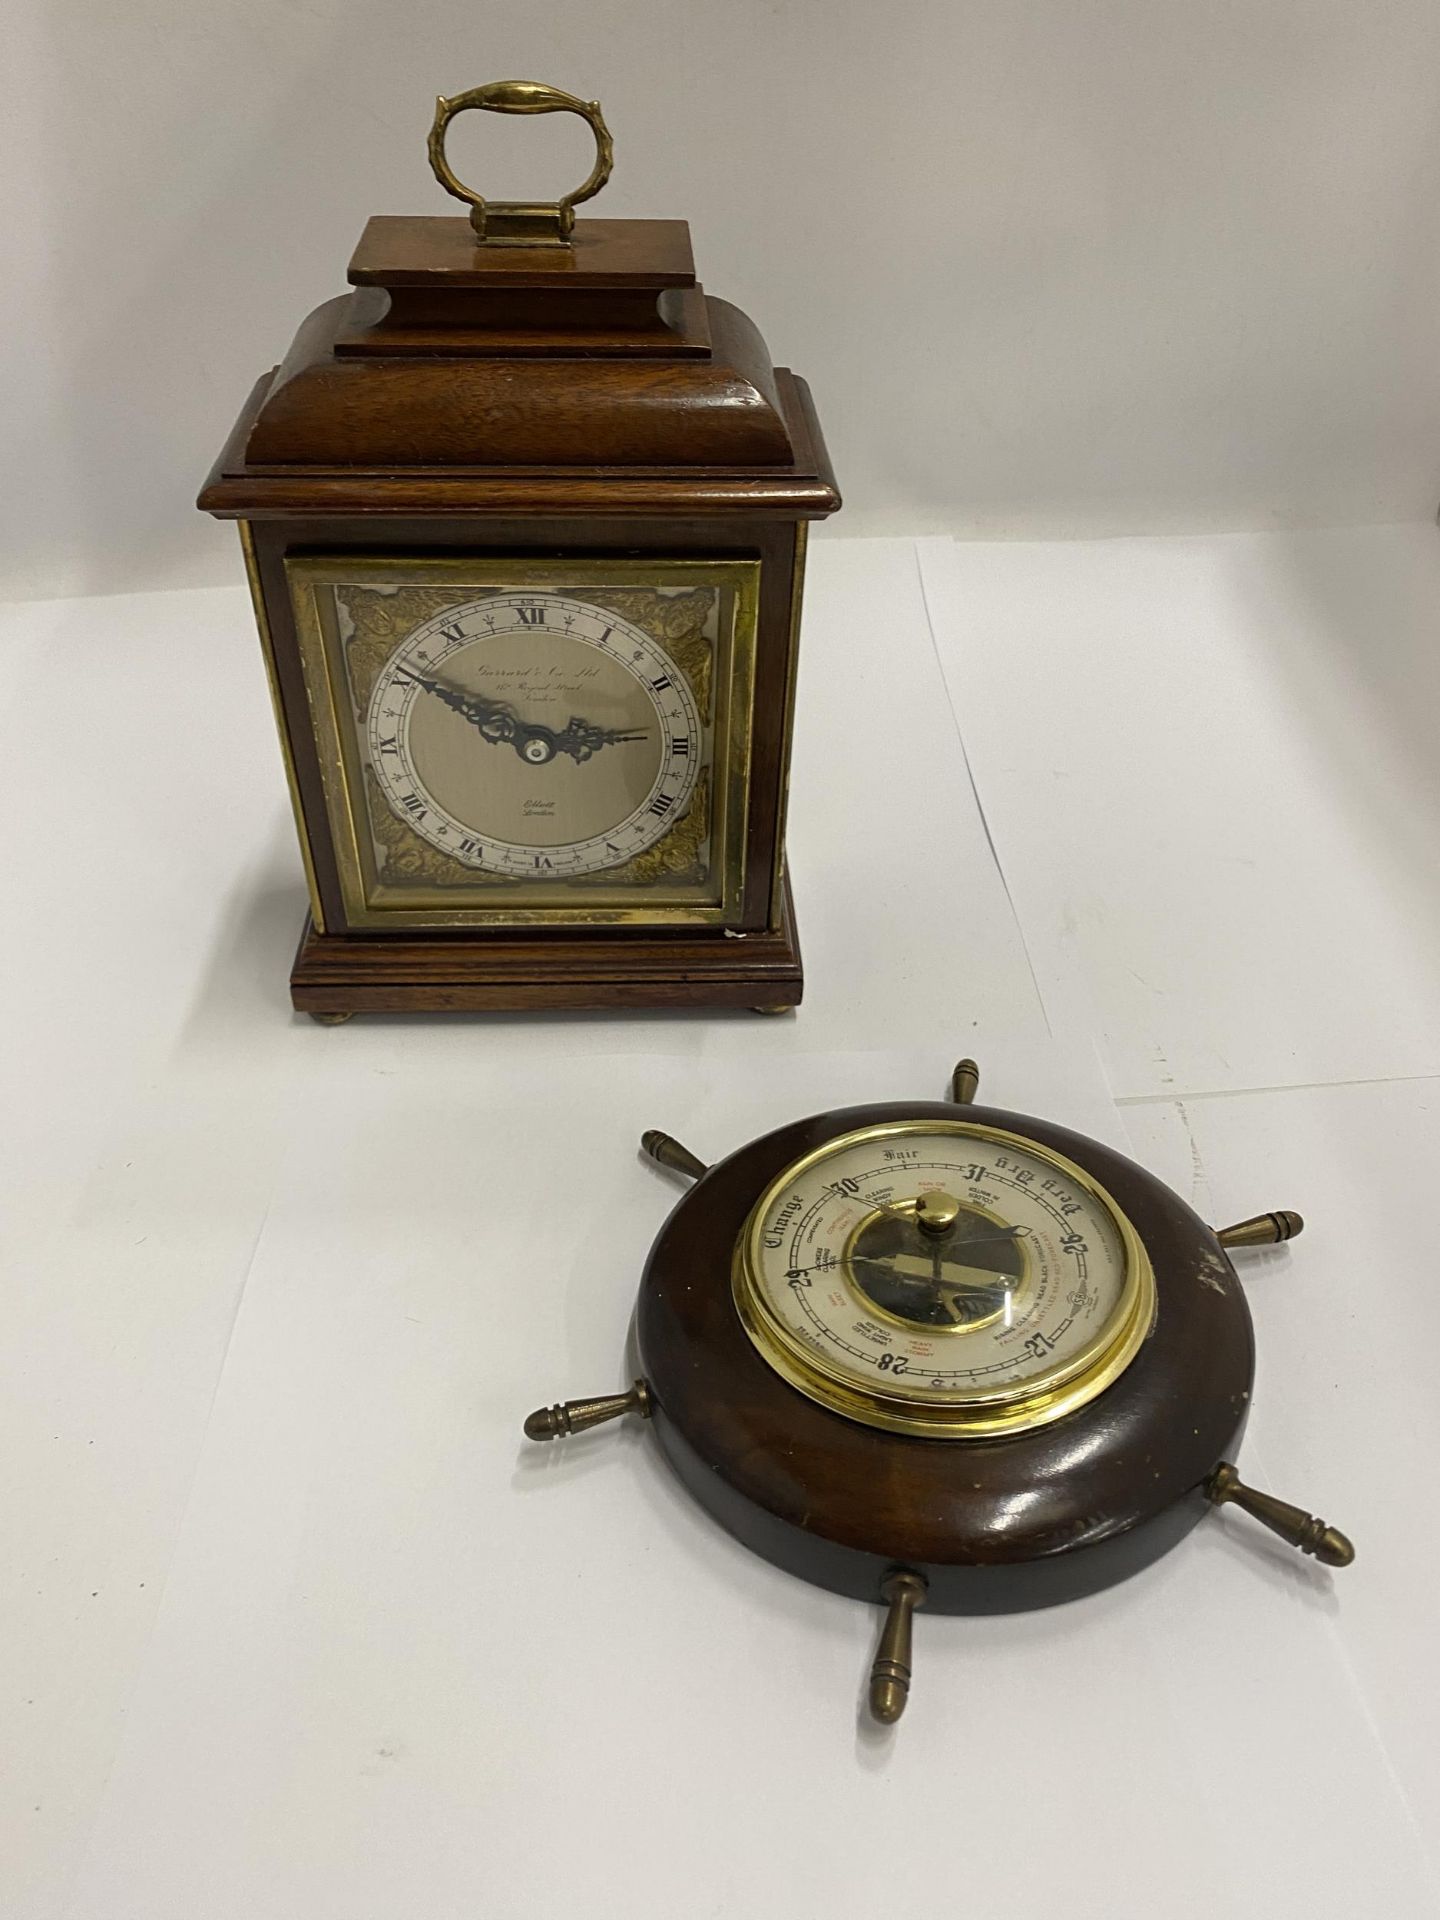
777	545
994	1525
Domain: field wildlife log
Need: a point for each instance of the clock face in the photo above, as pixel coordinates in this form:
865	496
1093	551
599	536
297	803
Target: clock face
526	742
535	735
942	1277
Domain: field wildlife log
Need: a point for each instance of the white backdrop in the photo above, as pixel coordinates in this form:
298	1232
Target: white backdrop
1052	266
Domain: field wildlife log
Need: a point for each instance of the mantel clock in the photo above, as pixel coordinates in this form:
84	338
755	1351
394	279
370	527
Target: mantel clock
524	517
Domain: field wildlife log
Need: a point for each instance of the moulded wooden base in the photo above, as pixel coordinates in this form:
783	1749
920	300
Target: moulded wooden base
527	973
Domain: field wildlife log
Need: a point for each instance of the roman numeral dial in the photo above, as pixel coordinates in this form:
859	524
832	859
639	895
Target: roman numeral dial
532	735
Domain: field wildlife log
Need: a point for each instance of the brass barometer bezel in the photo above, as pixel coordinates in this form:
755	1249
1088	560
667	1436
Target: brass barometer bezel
966	1413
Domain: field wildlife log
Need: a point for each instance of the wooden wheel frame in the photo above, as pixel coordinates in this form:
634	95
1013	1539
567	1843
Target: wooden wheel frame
998	1524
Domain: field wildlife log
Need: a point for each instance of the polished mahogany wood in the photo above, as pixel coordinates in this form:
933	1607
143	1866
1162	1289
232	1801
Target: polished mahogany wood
512	402
719	410
1017	1521
598	972
412	250
772	542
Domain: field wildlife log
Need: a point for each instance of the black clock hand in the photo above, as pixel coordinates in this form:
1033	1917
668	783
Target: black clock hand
582	738
496	721
535	743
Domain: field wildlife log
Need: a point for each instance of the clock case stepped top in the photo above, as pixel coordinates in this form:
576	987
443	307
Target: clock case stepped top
465	379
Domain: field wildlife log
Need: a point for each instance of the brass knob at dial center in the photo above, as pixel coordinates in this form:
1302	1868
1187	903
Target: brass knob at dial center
936	1212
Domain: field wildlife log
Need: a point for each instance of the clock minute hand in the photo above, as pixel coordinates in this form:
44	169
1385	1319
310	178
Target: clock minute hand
494	719
535	743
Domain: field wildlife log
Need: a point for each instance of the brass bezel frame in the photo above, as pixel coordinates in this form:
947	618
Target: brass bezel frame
1035	1402
516	904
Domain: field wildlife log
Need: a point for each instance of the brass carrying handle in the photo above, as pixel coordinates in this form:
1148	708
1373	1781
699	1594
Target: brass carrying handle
520	223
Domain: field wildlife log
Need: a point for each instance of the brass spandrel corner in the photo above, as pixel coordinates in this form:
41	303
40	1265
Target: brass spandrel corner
679	855
675	882
675	621
404	859
380	622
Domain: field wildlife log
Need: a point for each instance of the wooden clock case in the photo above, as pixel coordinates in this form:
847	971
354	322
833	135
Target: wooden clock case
548	403
993	1525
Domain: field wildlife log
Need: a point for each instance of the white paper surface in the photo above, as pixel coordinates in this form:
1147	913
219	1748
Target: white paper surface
1209	769
1346	1420
295	1622
397	1632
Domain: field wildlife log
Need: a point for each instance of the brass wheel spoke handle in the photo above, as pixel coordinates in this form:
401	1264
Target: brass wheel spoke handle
902	1591
1294	1526
666	1151
574	1416
521	223
1263	1230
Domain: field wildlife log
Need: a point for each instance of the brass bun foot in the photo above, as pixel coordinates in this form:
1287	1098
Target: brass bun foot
331	1019
574	1416
890	1675
1294	1526
780	1006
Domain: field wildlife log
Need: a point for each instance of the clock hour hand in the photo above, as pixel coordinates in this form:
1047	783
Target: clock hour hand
497	721
536	744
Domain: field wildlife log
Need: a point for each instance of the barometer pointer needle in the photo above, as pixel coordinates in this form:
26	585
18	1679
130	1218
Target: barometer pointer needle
995	1283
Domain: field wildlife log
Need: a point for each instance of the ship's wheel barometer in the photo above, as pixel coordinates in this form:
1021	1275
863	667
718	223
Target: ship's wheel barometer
524	516
941	1355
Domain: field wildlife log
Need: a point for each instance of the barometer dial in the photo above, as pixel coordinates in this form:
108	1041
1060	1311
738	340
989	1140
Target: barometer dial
942	1278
